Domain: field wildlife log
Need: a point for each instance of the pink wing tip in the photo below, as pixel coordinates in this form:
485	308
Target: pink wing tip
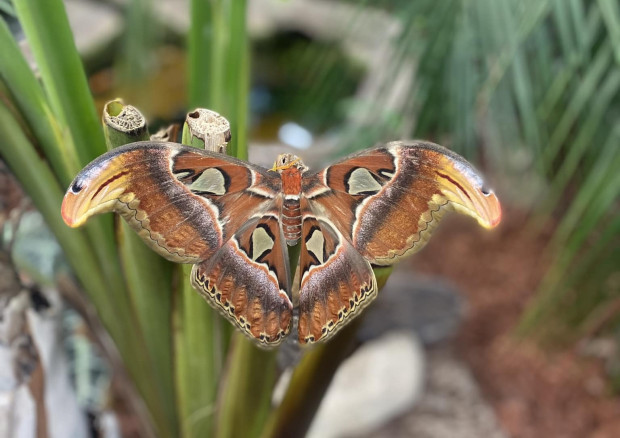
494	210
65	211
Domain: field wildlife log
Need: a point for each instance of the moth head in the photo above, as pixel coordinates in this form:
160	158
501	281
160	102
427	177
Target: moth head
287	161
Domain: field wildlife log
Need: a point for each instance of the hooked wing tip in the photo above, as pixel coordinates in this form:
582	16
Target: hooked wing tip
67	211
491	211
464	187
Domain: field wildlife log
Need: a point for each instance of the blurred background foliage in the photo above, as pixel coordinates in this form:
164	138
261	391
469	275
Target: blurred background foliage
527	89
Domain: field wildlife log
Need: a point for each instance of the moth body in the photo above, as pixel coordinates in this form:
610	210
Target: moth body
291	170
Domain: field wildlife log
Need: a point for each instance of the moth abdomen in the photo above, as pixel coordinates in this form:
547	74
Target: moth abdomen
291	220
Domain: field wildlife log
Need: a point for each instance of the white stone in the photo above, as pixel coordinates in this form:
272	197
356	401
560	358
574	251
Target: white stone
381	380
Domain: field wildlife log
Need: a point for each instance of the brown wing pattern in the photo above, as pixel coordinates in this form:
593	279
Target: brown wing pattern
336	281
224	215
185	203
248	278
193	206
387	200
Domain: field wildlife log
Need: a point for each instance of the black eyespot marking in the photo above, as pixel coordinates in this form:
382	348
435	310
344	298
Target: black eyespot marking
485	190
76	187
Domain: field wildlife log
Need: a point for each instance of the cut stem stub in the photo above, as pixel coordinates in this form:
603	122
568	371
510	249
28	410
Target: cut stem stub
208	128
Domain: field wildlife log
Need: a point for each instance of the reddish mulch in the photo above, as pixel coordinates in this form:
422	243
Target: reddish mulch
535	393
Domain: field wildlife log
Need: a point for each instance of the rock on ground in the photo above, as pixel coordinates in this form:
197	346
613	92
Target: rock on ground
451	405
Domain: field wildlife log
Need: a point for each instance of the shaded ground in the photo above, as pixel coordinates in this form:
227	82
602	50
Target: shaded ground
534	393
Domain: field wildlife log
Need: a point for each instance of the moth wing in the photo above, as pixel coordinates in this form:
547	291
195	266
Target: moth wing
388	199
248	280
336	281
185	203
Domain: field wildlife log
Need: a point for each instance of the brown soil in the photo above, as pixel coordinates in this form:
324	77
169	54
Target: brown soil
535	393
